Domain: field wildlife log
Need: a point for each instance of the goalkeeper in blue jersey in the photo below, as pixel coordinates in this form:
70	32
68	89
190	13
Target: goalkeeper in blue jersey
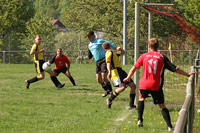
95	50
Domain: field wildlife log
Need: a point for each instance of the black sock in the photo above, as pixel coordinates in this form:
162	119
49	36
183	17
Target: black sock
104	86
113	96
35	79
109	87
140	110
72	80
132	99
166	116
55	81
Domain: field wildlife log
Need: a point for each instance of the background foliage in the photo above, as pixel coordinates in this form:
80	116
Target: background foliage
21	20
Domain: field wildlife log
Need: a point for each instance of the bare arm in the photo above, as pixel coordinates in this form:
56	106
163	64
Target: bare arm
180	71
36	52
120	49
130	74
109	70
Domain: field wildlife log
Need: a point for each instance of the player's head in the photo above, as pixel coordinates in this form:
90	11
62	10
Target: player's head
59	52
90	35
153	44
37	39
106	46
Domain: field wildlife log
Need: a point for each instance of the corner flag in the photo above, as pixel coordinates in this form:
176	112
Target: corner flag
169	46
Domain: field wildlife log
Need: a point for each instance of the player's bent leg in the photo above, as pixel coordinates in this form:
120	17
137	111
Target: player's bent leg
111	98
121	88
70	78
55	80
140	112
132	96
28	82
166	116
100	81
107	83
34	79
72	81
41	76
104	77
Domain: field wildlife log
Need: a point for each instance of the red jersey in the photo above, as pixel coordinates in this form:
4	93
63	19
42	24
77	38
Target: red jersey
154	65
60	62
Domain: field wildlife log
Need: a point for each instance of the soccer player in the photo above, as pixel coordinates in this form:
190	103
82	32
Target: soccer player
60	61
37	51
95	50
152	80
116	74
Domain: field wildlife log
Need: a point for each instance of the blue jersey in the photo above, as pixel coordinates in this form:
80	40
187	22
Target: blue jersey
96	49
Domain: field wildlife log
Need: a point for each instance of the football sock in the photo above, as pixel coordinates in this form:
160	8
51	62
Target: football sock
35	79
132	99
55	81
104	86
109	87
113	96
166	116
72	80
140	110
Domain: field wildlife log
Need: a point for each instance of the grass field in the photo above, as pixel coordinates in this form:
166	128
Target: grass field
79	109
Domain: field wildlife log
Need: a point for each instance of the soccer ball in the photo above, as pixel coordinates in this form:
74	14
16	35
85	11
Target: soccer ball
46	66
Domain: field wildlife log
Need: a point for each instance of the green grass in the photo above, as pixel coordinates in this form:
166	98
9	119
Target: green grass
43	108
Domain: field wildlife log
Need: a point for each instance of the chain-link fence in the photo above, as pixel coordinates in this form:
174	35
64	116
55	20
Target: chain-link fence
174	85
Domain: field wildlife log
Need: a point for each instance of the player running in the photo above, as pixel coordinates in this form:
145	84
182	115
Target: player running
116	74
37	51
152	80
60	61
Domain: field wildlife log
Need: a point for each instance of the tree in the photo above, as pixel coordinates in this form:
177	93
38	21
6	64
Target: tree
39	25
48	8
190	10
13	15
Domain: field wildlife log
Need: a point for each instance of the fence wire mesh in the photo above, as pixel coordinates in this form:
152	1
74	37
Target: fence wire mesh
174	85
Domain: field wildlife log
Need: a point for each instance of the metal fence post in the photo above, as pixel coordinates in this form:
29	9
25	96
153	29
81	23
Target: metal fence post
197	64
190	57
4	57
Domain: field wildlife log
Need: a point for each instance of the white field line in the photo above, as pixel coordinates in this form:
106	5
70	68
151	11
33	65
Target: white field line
123	116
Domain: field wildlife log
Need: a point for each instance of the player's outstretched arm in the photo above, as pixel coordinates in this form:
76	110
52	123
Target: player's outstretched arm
180	71
130	74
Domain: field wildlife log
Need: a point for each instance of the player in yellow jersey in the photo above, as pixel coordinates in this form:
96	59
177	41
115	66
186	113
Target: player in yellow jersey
37	51
116	74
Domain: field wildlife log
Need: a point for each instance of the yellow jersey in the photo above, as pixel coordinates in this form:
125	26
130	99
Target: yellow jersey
38	56
113	58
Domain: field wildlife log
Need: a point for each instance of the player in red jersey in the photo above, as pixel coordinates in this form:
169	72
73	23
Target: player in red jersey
152	79
60	61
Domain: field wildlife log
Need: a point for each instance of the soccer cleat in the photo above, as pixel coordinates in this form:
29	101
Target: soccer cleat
132	108
105	94
27	84
109	103
140	123
170	129
60	86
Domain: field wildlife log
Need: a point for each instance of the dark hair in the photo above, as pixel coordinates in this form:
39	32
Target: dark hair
90	33
105	45
60	49
153	43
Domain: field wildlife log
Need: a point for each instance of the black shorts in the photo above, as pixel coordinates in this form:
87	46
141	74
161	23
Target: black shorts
101	66
58	71
118	75
38	66
158	96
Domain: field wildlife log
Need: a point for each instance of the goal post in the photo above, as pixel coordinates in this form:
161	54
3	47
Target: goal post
138	8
